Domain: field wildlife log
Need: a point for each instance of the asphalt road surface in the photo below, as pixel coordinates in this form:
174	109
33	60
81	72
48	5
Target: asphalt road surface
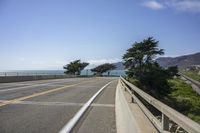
46	106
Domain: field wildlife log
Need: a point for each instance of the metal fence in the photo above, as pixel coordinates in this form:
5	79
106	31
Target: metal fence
6	74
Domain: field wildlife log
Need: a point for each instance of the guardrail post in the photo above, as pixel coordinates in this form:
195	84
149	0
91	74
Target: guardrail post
132	100
124	87
165	122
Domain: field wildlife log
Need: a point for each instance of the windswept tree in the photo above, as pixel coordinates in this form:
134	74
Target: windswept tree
141	54
139	60
75	67
99	70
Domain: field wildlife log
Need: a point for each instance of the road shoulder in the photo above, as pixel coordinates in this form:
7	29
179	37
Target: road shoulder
100	119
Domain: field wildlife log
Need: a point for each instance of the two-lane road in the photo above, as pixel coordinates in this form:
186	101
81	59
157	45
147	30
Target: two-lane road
48	105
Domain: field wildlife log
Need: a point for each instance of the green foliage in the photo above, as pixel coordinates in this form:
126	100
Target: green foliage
172	71
141	53
140	64
157	81
181	97
103	68
135	82
75	67
184	99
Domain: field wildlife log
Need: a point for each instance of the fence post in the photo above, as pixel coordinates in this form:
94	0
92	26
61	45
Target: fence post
165	122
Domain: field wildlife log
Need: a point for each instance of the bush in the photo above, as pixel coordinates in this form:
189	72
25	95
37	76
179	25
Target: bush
135	82
184	99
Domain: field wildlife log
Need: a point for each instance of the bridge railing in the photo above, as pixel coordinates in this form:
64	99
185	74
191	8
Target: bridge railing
168	114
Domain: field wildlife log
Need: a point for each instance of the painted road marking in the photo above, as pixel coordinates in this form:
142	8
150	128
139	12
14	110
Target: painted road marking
58	103
39	94
33	85
69	126
36	94
24	87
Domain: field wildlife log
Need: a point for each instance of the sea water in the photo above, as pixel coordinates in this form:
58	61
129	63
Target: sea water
85	72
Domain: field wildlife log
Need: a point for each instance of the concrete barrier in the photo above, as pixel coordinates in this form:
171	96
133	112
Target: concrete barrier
9	79
129	117
124	119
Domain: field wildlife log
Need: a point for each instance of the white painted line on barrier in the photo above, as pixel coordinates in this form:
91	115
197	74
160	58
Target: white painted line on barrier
69	126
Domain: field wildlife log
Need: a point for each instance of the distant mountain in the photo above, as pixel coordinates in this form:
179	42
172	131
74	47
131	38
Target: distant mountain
181	61
119	66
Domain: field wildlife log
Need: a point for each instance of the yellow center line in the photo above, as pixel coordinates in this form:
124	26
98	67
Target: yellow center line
38	94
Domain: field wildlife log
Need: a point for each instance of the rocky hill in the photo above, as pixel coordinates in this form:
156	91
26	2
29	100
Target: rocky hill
180	61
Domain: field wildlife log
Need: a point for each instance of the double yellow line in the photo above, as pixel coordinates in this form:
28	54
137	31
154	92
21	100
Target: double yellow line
38	94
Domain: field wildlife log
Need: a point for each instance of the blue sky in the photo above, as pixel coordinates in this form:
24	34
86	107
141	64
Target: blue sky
46	34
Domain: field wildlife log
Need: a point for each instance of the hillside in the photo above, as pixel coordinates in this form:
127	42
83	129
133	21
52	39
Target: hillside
119	66
180	61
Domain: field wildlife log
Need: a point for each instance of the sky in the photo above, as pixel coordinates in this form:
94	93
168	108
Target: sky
47	34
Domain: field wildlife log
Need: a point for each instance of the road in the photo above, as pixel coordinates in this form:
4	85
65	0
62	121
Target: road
48	105
194	84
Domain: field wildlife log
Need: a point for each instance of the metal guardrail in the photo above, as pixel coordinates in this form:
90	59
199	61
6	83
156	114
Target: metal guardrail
167	112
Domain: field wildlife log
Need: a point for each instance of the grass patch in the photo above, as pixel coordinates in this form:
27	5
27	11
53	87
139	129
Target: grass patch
192	74
184	99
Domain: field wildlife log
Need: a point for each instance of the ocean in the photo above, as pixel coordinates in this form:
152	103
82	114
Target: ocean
55	72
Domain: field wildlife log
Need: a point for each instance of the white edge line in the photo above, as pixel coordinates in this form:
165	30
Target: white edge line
69	126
